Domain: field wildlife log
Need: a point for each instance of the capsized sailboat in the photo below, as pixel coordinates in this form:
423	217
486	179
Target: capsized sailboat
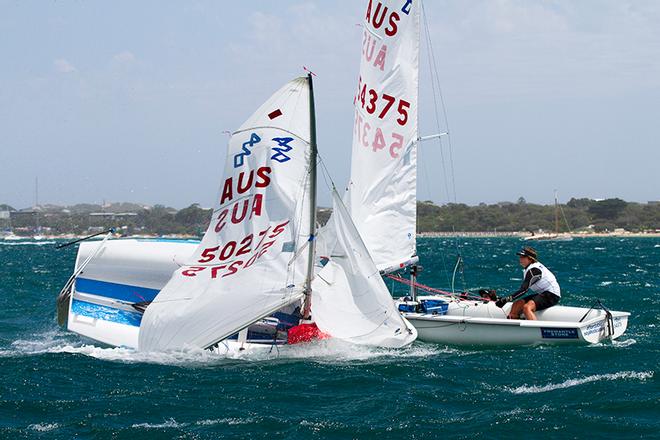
382	199
250	279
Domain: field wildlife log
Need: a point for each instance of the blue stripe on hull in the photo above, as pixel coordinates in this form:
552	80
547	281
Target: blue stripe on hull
105	313
122	292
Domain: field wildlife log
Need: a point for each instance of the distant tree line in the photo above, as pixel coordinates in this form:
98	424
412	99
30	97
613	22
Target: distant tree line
159	219
602	215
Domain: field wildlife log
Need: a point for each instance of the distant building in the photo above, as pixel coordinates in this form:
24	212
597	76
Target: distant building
103	217
18	217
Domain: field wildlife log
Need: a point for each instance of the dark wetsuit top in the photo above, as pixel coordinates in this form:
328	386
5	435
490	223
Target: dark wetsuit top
533	275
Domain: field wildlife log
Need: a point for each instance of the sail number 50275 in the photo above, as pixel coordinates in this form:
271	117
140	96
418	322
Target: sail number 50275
236	248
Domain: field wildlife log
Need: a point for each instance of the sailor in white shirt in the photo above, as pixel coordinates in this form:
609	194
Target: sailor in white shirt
545	291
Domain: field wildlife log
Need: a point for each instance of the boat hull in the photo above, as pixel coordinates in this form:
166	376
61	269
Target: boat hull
549	237
483	324
101	303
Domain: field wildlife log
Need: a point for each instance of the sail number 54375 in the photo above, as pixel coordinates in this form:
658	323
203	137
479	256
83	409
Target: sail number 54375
371	102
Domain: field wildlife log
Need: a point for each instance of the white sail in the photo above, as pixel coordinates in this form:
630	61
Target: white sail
243	269
349	298
382	188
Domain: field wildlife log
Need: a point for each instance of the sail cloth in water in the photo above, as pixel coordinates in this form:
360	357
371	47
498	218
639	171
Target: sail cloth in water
242	270
349	298
382	187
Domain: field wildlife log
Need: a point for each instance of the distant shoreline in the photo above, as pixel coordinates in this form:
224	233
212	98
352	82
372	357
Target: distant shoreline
522	235
473	234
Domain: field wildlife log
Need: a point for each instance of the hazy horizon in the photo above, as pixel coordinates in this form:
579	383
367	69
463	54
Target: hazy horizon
128	102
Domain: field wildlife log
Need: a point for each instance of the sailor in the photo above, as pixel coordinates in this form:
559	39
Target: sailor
538	279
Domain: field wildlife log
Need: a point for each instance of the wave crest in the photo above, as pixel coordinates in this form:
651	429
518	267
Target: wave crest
531	389
329	351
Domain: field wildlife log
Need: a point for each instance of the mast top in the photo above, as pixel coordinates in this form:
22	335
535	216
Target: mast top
309	72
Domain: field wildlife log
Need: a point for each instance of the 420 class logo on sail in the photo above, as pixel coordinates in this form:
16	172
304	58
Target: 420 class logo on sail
280	150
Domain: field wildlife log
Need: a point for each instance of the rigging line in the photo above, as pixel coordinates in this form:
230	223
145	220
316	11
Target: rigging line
435	100
427	182
460	258
435	82
299	251
431	61
436	76
460	298
564	216
325	173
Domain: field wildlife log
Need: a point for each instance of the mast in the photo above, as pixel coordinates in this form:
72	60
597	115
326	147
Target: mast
307	303
36	203
556	213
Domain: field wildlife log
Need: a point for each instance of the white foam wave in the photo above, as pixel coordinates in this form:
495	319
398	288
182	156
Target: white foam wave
43	427
336	351
25	243
520	411
615	343
226	421
624	343
599	248
532	389
606	283
169	423
325	351
38	343
172	423
117	354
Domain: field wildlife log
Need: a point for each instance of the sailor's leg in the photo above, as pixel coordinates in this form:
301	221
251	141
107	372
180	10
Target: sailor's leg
516	309
528	309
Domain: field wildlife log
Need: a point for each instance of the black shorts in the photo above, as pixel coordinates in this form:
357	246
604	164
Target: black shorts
543	300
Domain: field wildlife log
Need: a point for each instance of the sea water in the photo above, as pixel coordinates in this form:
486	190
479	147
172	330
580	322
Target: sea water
56	385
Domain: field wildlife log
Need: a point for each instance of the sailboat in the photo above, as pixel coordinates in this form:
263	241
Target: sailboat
7	233
382	199
37	230
557	235
255	278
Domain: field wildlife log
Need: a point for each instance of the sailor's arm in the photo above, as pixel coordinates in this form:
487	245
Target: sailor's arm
532	277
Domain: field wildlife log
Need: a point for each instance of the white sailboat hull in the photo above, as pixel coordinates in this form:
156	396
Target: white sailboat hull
127	271
549	237
484	324
123	273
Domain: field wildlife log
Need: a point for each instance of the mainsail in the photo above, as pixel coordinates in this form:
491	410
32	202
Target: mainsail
382	189
244	269
349	298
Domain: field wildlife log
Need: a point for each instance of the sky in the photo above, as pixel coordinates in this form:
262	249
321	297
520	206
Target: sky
130	101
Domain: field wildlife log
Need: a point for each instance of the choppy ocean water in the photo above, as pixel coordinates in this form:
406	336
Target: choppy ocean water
55	385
